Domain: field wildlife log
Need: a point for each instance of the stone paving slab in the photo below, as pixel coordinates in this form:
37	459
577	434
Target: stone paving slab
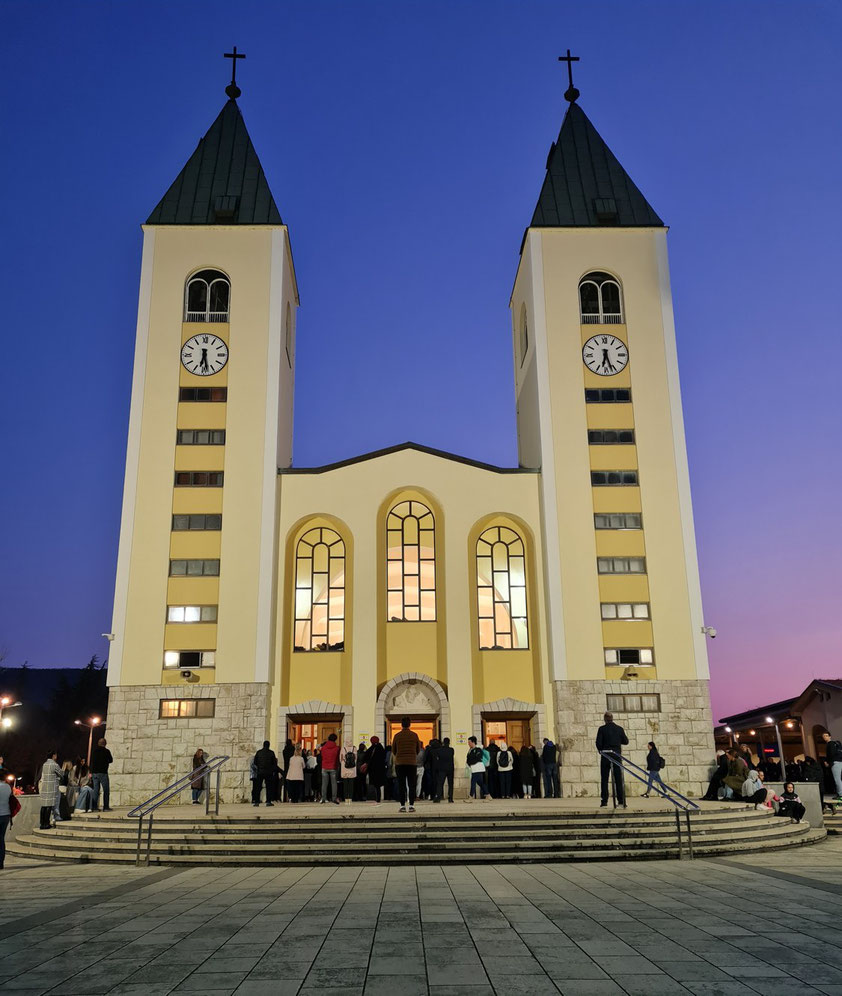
753	925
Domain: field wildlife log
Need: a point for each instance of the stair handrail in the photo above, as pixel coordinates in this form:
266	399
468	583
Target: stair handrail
679	801
148	807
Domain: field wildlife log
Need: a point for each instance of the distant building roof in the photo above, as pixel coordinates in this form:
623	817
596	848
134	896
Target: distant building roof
222	183
749	716
586	185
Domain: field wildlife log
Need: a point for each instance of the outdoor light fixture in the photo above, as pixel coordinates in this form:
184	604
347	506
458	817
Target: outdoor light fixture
728	729
95	721
751	733
789	724
6	723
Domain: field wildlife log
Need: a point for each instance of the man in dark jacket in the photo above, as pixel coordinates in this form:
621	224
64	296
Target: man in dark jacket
266	764
443	770
549	755
611	737
833	759
100	760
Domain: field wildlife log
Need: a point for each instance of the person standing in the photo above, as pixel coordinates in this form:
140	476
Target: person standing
348	771
197	782
100	760
549	755
443	765
5	817
611	737
654	763
330	768
526	769
492	774
287	753
375	767
405	747
49	788
265	764
294	781
505	763
420	761
475	760
833	759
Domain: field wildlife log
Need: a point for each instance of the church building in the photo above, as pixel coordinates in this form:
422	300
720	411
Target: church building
258	599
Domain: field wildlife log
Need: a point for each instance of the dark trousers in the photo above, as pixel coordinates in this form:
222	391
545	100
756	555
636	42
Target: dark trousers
759	796
552	788
794	810
295	790
46	812
441	778
478	782
258	784
506	784
100	781
605	767
4	823
406	775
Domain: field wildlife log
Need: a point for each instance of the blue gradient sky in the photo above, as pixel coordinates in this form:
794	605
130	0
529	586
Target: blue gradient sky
405	144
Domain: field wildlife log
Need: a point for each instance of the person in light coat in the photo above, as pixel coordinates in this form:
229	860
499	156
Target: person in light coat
49	788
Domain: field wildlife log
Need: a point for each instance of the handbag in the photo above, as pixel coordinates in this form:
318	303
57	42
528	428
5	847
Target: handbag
14	806
363	768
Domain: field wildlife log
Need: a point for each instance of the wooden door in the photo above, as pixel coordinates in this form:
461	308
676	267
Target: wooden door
517	733
424	729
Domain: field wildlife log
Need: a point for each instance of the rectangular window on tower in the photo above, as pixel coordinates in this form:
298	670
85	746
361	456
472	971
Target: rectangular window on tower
182	523
621	565
629	657
198	478
625	610
191	613
194	568
203	394
189	658
604	437
200	437
618	520
613	478
608	395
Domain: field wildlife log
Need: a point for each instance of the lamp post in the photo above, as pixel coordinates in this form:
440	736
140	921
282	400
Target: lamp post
6	703
94	723
780	747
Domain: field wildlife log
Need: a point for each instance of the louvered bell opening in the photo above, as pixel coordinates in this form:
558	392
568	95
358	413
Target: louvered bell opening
605	209
225	207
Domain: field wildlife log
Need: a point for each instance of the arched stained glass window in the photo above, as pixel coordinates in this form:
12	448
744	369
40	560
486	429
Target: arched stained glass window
207	297
501	590
320	591
411	563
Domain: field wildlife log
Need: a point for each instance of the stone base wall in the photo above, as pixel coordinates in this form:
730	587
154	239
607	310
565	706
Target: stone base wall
151	753
682	730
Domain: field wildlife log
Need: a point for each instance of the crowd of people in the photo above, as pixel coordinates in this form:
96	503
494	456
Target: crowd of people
403	772
74	786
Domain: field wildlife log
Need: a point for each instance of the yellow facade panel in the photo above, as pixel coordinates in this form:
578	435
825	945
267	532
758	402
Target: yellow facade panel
205	415
616	499
190	636
187	379
318	677
201	458
627	633
413	647
612	457
604	416
196	500
192	591
507	674
622	379
623	588
619	543
194	544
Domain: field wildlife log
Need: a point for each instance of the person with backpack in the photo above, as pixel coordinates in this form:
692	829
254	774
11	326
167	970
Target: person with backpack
476	764
348	757
549	756
505	764
654	763
443	765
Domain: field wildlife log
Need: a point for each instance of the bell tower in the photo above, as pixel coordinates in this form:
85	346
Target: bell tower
599	411
210	423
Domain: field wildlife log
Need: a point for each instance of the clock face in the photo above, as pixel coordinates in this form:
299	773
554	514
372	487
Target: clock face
204	354
605	355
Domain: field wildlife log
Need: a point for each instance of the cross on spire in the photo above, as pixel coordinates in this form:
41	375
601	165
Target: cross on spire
571	93
232	89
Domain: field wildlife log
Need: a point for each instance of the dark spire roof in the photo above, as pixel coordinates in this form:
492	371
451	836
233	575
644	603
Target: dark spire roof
585	184
222	183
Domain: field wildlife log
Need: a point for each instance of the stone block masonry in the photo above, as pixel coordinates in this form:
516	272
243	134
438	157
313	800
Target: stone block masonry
682	730
151	753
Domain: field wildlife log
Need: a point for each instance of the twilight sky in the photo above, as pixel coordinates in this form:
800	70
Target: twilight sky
405	145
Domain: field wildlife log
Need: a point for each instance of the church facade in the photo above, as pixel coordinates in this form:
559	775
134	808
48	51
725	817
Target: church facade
258	599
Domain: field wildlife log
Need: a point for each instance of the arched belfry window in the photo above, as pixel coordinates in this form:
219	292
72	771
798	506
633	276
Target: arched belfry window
207	297
600	300
411	563
320	591
501	590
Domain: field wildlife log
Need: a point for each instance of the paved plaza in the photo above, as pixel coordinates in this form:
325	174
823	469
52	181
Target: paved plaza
741	926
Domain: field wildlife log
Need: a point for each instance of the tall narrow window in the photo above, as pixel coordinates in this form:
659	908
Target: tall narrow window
320	591
288	335
599	300
207	296
524	335
501	590
411	563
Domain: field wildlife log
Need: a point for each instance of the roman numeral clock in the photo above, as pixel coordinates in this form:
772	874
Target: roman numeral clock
605	355
204	354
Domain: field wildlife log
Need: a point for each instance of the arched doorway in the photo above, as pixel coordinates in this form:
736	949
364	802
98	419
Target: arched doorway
421	698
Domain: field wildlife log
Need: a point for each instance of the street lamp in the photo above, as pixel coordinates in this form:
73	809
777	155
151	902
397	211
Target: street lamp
771	722
6	703
94	723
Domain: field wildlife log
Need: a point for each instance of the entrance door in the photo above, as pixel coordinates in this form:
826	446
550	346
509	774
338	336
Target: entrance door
312	735
424	728
514	731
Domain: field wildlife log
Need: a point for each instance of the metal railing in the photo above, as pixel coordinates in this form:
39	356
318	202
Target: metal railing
594	319
679	801
148	808
206	316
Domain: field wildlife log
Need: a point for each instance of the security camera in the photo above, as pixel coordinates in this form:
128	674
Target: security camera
186	674
108	636
709	631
